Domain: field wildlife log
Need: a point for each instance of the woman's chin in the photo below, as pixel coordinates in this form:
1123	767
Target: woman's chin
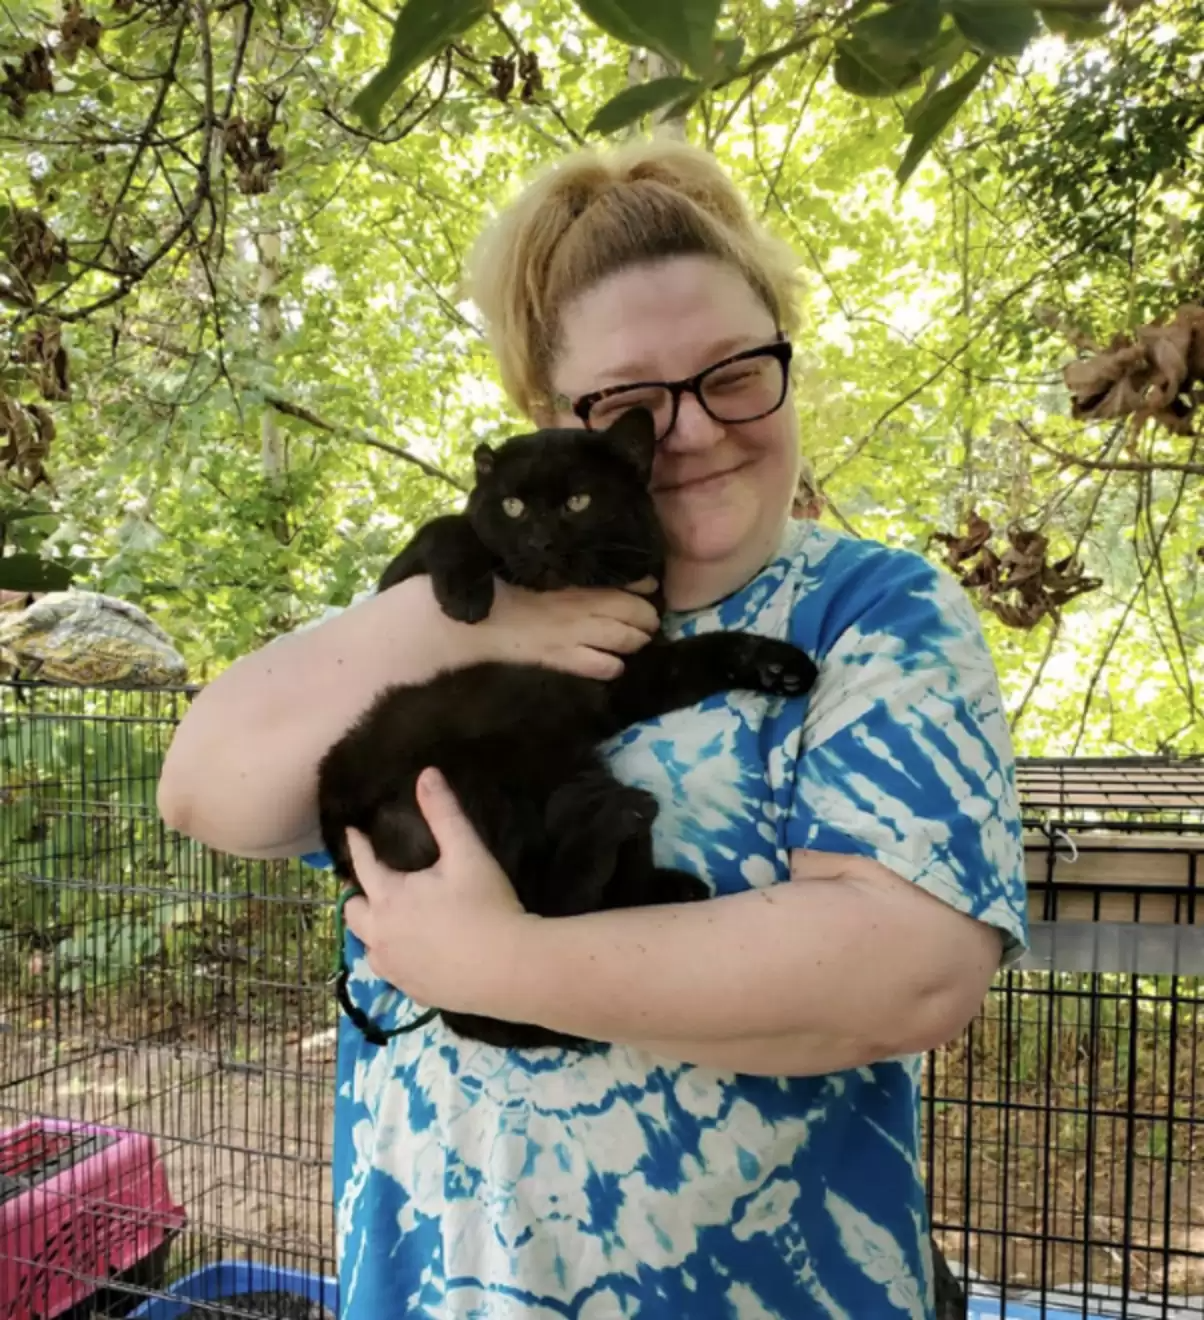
713	541
711	558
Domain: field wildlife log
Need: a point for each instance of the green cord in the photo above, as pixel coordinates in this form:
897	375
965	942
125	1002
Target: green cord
340	932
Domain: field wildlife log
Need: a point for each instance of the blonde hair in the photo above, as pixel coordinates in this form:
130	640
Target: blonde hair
596	212
809	500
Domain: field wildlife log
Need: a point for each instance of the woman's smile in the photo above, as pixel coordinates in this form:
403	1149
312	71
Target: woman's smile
686	484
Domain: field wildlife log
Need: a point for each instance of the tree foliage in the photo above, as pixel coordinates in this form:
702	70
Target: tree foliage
240	367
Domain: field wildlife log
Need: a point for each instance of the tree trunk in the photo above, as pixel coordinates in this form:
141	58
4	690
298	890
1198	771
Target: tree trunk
644	66
665	124
273	442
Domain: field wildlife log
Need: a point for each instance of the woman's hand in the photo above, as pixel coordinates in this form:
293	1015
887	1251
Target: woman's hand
580	629
448	936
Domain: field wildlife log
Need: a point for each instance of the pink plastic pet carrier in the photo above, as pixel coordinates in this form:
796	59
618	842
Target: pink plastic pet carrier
78	1203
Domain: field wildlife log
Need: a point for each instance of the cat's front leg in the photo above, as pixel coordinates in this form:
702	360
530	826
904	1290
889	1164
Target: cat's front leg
667	885
412	561
660	679
460	567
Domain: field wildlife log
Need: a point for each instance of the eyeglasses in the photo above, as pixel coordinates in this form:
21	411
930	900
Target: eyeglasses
740	388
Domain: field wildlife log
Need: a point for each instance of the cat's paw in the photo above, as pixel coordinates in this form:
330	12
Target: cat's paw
465	599
670	886
615	812
635	810
777	668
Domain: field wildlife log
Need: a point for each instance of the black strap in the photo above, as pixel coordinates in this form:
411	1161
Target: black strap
367	1028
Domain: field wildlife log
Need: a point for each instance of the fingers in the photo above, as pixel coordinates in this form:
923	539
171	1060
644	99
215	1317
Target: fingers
632	610
613	635
364	863
445	818
592	664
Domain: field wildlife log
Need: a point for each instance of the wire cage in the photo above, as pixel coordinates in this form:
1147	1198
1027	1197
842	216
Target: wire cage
1062	1130
167	1048
165	999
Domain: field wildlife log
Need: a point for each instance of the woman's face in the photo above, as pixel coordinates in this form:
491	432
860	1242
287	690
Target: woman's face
723	489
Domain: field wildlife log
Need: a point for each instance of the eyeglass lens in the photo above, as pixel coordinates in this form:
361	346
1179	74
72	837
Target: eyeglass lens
733	392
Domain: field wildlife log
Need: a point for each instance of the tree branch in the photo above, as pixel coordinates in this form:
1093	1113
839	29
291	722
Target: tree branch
1112	465
1055	627
545	104
1156	550
152	122
383	138
359	435
209	162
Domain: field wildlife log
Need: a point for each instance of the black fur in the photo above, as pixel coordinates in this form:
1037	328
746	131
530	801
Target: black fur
518	742
951	1302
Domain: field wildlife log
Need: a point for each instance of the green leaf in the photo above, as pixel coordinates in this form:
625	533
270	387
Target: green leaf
864	71
902	29
937	115
949	55
618	19
422	30
13	512
731	52
1076	22
998	27
635	102
683	30
32	573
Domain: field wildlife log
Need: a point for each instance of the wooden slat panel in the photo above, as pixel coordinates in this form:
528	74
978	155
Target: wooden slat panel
1159	909
1115	872
1175	786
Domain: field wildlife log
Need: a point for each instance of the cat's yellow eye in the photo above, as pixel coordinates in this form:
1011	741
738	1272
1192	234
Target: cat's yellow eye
577	503
512	507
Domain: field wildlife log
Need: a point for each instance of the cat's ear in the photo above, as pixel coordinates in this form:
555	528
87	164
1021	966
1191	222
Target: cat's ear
482	457
633	434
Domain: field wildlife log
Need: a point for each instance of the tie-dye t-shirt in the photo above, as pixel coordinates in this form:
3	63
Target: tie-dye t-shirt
477	1182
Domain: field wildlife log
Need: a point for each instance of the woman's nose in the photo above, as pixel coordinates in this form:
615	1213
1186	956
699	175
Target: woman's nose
694	428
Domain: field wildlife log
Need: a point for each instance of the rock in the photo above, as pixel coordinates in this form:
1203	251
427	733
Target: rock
87	638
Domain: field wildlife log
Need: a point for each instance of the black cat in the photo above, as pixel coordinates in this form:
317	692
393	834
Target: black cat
518	742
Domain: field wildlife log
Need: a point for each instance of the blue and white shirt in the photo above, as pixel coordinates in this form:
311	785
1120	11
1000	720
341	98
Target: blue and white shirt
473	1182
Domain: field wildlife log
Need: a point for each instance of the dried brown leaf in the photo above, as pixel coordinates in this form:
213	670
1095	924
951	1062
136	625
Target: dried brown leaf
1019	586
29	433
76	31
960	548
34	248
42	350
33	74
1148	377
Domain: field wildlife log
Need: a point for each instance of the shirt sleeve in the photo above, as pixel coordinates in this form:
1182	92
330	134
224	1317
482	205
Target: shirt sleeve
906	755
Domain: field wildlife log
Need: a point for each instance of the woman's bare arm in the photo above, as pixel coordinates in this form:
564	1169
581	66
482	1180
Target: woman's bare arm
846	964
241	772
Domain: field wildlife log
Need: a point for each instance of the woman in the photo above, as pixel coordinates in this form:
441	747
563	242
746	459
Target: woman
748	1143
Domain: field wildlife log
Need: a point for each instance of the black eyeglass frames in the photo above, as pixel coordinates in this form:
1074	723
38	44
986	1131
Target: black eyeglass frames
741	388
